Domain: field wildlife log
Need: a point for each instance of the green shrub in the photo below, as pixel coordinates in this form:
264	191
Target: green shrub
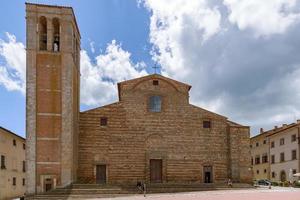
297	184
286	184
274	184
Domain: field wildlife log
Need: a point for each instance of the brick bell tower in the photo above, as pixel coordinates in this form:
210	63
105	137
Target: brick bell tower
52	96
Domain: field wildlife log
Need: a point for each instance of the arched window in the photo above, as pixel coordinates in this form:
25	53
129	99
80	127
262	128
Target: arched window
43	33
155	104
56	38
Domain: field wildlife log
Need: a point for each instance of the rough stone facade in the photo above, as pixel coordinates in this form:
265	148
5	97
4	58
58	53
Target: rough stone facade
134	135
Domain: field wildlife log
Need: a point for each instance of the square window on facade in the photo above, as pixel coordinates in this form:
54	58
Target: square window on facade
281	157
282	141
155	104
294	154
294	171
265	141
272	144
257	144
14	142
206	124
294	137
103	121
14	181
155	82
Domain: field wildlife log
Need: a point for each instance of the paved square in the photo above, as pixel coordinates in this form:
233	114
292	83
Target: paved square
276	193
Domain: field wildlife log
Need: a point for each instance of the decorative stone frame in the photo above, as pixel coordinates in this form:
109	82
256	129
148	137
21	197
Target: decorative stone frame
156	155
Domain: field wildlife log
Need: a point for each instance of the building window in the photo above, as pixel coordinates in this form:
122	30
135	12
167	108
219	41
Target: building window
24	146
14	181
206	124
273	174
56	38
24	166
250	145
103	121
273	159
272	144
155	104
257	144
43	33
265	171
294	138
294	171
14	142
23	181
3	162
265	141
282	141
294	154
264	158
257	160
251	160
257	171
282	157
155	82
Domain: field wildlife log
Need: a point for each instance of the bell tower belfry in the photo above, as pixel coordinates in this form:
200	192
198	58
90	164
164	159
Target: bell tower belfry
52	96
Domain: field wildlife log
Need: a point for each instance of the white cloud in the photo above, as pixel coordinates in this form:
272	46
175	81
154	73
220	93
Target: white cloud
13	65
169	20
265	17
98	80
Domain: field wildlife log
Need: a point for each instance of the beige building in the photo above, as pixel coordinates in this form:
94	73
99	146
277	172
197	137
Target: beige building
275	153
12	166
259	145
284	152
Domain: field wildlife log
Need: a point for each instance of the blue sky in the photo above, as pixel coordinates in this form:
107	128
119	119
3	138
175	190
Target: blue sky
241	64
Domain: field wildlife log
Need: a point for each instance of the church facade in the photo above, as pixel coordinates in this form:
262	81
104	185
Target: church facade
151	134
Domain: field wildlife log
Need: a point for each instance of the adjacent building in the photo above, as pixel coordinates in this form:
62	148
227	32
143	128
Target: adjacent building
152	133
275	153
12	165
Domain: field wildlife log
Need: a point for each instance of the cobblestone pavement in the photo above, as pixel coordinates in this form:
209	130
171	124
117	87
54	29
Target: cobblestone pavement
276	193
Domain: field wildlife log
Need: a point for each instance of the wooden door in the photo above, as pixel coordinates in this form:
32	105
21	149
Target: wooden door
101	174
155	170
207	174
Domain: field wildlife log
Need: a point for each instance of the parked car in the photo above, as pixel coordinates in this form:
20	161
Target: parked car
262	182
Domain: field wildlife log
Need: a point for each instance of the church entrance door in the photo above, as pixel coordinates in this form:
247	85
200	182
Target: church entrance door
207	170
156	170
100	174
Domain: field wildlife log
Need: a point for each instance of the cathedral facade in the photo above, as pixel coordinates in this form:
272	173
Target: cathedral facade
152	134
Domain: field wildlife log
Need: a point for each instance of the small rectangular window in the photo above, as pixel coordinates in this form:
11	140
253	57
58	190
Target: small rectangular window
257	160
294	138
265	171
257	171
273	159
3	162
206	124
265	141
24	166
24	146
294	171
294	154
155	104
282	141
14	181
273	174
23	181
155	82
281	157
264	158
103	121
257	144
14	142
272	144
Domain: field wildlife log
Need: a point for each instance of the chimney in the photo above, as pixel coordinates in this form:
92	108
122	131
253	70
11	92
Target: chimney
261	130
275	127
298	121
284	125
